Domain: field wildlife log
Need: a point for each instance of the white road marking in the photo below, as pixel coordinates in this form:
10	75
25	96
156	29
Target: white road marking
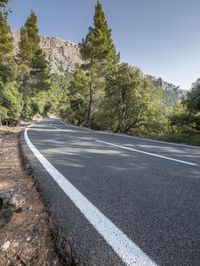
144	152
133	137
156	141
124	247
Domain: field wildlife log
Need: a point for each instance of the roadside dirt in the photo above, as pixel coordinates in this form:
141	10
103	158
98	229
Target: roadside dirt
25	236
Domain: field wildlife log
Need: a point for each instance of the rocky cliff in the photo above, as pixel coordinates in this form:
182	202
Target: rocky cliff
63	56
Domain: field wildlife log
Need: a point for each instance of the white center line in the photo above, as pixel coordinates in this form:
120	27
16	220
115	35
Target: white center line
124	247
144	152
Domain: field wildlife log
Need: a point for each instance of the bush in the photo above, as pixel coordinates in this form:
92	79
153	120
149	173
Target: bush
10	103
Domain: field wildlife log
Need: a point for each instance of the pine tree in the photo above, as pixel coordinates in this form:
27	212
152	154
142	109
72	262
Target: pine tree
98	46
30	40
24	47
78	98
193	98
10	100
7	64
99	52
34	71
40	71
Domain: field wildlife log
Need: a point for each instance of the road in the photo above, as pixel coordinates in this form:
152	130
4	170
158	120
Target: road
120	200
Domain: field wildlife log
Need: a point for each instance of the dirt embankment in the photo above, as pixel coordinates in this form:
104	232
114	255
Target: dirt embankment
25	237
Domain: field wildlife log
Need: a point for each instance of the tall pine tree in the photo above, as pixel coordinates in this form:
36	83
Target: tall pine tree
10	100
30	40
100	54
7	63
34	71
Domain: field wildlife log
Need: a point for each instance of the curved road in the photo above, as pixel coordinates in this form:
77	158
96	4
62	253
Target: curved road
120	200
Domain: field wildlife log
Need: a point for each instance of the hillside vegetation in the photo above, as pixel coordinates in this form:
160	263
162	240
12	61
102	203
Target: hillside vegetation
101	92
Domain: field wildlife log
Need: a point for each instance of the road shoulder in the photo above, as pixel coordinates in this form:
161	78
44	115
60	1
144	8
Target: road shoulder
25	236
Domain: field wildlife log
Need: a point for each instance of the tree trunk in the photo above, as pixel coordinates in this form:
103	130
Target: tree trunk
123	121
89	110
23	99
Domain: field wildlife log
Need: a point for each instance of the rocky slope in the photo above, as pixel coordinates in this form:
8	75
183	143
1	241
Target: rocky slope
63	56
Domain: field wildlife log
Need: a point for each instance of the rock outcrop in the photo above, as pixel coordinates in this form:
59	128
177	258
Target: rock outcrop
62	56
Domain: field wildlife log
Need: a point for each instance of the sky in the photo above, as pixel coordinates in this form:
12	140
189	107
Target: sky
161	37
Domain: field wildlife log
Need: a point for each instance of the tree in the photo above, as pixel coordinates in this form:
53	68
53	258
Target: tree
99	53
7	60
78	98
33	69
185	117
129	99
40	77
183	121
10	102
29	39
193	98
9	94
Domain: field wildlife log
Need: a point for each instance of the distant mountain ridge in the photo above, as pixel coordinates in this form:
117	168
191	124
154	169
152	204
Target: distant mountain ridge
63	56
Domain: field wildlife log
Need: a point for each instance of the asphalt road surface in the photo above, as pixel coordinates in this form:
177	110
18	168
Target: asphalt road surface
120	200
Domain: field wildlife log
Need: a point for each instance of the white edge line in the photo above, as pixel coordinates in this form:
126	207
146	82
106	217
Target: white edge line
125	248
133	137
147	153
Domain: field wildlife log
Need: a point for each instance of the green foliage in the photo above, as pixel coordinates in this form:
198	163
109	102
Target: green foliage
33	68
40	77
53	100
24	47
100	56
78	98
10	99
193	98
98	44
58	94
10	102
130	101
182	120
6	39
7	63
3	114
182	125
29	39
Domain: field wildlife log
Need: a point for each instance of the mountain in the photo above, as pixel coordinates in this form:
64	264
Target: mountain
63	56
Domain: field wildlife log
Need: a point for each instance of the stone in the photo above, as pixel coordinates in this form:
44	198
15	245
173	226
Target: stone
18	199
5	246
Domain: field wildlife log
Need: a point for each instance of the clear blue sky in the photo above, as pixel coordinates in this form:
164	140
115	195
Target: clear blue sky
162	37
